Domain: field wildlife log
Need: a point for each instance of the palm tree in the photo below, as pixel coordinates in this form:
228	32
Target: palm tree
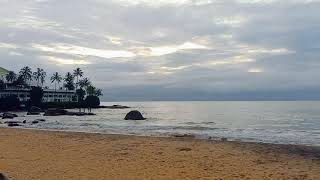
39	76
98	92
11	76
26	73
84	83
69	81
55	78
77	73
91	90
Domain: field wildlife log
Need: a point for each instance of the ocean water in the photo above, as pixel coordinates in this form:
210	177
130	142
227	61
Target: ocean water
291	122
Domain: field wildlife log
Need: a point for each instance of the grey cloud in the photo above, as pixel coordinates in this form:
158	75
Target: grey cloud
276	40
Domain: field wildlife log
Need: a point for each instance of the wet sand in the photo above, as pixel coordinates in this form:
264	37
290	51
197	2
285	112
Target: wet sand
34	154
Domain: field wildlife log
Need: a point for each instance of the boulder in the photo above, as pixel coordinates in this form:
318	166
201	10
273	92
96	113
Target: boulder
24	121
116	106
9	116
13	124
41	120
35	122
35	109
33	113
134	115
55	112
3	177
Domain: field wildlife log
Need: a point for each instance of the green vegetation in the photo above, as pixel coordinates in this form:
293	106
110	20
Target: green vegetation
87	94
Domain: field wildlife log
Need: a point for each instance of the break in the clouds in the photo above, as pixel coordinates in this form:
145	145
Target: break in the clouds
171	49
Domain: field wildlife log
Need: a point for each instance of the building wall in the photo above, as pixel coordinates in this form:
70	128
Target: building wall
48	95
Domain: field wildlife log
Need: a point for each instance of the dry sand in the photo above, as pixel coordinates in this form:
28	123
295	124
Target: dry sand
32	154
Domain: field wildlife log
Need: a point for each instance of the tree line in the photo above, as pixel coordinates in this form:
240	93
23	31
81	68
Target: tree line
71	81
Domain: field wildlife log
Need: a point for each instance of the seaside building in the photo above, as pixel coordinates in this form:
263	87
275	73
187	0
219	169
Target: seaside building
49	95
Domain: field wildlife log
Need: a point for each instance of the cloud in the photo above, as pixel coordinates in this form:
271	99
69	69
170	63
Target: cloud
189	49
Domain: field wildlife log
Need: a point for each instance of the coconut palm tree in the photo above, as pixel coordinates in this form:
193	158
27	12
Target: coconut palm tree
98	92
26	73
69	81
84	83
56	78
91	90
39	76
11	76
77	73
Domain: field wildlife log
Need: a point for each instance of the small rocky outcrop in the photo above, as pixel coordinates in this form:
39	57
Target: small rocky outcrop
9	116
134	115
35	122
116	106
55	112
41	120
13	124
34	110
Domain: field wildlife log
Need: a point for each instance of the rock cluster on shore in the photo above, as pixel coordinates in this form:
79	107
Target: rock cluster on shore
61	112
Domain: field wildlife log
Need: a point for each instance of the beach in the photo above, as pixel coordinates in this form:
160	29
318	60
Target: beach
38	154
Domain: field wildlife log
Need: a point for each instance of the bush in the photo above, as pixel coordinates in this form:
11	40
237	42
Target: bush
92	101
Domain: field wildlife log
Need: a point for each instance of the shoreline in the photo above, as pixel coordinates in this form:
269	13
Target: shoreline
178	136
43	154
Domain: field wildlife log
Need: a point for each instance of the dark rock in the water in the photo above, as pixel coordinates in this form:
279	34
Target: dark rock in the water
3	177
35	122
55	112
9	116
91	114
41	120
33	113
35	109
134	115
24	121
13	124
117	107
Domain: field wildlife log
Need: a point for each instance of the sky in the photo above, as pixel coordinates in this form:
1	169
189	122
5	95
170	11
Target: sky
141	50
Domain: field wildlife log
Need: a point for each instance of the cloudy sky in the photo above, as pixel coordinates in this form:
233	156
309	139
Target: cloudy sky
171	49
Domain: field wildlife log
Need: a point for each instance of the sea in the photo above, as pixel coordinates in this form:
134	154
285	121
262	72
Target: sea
277	122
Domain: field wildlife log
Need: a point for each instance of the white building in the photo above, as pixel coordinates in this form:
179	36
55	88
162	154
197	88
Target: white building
49	95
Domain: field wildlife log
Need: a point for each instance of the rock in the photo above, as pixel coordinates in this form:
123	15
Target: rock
55	112
116	106
35	109
33	113
24	121
91	114
9	116
13	124
3	177
35	122
41	120
134	115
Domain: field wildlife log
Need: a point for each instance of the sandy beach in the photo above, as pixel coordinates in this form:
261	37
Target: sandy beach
35	154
